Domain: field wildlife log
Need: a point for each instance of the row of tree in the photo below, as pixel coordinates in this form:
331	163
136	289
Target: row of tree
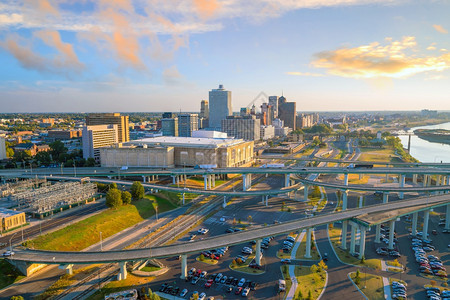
116	198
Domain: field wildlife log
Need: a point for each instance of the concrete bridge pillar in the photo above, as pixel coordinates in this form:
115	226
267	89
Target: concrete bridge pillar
360	201
144	179
213	180
378	233
244	182
174	181
402	185
362	242
123	271
426	218
447	217
344	235
346	179
447	182
352	238
425	180
344	199
258	252
183	198
414	178
287	180
68	268
308	243
224	201
305	192
267	200
415	217
385	197
391	234
210	181
263	199
183	266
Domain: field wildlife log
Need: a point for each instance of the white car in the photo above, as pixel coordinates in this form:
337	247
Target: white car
8	253
245	292
202	296
203	230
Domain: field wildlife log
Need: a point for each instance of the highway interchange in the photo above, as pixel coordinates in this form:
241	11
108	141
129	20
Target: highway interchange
251	205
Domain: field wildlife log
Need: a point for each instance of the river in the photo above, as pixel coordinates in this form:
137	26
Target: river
426	151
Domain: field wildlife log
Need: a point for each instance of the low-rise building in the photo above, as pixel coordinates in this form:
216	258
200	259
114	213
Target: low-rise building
10	219
179	151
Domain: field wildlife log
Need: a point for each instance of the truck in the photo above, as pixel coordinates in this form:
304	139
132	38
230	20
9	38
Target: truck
206	167
277	166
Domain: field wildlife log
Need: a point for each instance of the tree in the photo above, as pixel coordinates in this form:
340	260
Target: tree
44	158
314	269
114	198
22	156
322	265
310	297
250	219
90	162
16	298
357	277
299	295
126	197
58	150
112	185
137	191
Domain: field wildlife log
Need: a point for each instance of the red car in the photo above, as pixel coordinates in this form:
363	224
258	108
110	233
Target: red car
209	283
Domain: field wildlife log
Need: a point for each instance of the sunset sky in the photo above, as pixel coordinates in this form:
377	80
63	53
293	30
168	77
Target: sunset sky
165	55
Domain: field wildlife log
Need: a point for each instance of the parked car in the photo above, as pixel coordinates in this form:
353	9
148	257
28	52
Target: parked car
245	292
183	292
286	261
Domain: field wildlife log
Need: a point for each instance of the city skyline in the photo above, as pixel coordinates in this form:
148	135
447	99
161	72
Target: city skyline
325	55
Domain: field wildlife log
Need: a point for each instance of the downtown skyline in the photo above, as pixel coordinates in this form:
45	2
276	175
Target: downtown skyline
326	55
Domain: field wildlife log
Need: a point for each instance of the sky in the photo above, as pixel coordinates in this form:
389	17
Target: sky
165	55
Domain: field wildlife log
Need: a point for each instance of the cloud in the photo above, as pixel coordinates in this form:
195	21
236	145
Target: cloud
67	59
440	29
172	76
304	74
206	8
375	60
65	62
10	19
42	6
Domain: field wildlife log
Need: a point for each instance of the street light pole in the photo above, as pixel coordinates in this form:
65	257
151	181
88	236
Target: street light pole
101	242
10	247
75	169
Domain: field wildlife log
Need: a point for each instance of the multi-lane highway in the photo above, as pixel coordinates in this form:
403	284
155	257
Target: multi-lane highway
53	257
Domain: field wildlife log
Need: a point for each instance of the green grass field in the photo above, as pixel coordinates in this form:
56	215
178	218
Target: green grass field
308	281
87	232
370	285
301	251
8	274
132	282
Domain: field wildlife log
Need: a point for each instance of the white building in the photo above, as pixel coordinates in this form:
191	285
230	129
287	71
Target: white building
97	136
267	132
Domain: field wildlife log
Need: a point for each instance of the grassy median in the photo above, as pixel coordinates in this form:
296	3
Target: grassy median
81	235
371	285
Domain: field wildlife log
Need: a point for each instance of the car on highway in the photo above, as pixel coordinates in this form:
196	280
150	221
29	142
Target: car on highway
8	253
203	230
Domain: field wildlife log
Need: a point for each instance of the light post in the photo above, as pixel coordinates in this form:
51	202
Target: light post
10	246
74	169
62	173
156	210
101	242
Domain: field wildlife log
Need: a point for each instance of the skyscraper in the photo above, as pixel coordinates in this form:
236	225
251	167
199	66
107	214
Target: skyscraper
242	127
287	112
273	101
204	109
111	118
219	106
186	124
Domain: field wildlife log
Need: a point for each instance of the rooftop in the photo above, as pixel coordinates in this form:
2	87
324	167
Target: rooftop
189	141
6	213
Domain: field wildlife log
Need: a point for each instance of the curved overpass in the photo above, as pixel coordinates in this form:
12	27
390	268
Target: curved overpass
361	187
105	172
53	257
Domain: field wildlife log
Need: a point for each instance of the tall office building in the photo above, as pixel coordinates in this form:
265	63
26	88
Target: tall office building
169	126
219	106
97	136
287	112
114	119
242	127
267	111
273	101
186	124
3	148
204	109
